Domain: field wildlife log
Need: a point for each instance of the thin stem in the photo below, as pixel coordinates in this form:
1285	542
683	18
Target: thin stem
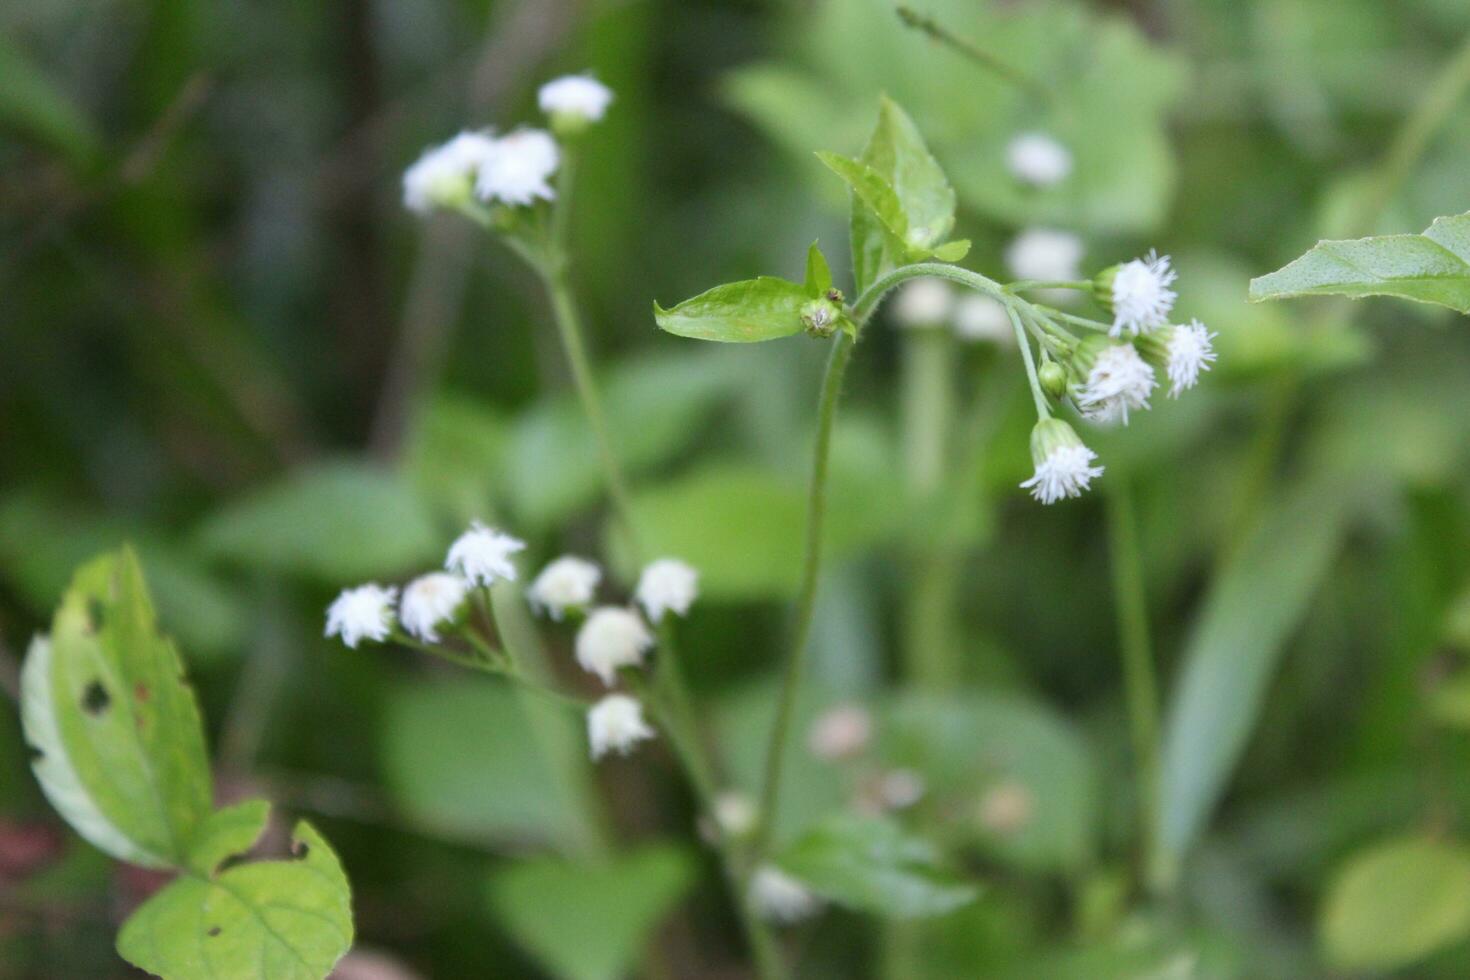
938	32
1082	285
1139	679
1042	409
1080	321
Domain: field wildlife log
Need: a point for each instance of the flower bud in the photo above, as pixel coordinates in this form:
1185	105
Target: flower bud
1053	378
821	317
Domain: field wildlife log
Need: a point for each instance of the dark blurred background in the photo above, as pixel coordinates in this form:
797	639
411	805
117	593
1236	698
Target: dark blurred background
224	339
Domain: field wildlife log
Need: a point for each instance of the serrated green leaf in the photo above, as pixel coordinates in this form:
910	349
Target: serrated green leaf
870	864
1430	268
818	273
590	921
335	523
227	833
287	920
897	151
118	736
871	190
1396	903
738	312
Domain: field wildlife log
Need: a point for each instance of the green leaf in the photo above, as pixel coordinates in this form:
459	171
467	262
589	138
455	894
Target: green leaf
872	191
1430	268
1237	641
1396	903
1449	702
870	864
119	742
738	312
818	273
227	833
899	154
952	251
590	921
287	920
335	523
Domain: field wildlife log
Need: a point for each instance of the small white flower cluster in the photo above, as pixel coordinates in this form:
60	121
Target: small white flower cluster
1038	159
778	897
929	302
515	169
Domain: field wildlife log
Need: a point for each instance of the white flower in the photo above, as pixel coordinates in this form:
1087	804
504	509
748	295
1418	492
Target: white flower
901	788
778	897
1063	464
430	600
518	167
1189	352
1046	254
612	637
924	302
840	732
575	95
363	613
1118	381
445	174
566	583
1140	294
615	724
735	813
1036	158
481	555
667	585
979	317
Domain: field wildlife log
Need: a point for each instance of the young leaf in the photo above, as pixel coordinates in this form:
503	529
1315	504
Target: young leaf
871	190
227	833
288	919
871	865
590	921
1430	268
1396	903
899	153
818	273
120	747
738	312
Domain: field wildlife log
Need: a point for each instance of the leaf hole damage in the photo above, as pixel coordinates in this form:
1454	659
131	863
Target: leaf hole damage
95	699
299	850
213	931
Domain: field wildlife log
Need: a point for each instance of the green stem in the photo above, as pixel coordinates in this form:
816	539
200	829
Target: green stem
1139	679
926	24
1082	285
1038	396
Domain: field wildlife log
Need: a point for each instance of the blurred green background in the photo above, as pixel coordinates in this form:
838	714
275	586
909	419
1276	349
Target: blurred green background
226	341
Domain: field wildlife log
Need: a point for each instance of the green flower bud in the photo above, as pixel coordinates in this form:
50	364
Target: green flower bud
821	317
1053	379
1102	287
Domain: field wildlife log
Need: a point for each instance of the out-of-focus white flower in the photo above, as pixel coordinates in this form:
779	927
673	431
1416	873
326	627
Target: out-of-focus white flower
979	317
567	583
1006	807
481	555
430	600
667	585
1063	464
1188	351
1118	381
612	637
518	168
1038	159
1138	293
778	897
615	724
840	732
924	302
363	613
1046	254
578	96
735	813
901	788
445	174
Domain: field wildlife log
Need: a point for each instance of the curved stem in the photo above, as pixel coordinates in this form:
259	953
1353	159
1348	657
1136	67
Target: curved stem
1042	409
1081	285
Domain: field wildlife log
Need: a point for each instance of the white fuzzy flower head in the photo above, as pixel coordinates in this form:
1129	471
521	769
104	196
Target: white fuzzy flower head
1038	159
518	168
978	317
363	613
612	637
481	555
615	724
840	732
1118	381
667	585
445	174
1045	253
778	897
577	99
567	583
735	813
925	302
430	600
1138	293
1063	464
1188	351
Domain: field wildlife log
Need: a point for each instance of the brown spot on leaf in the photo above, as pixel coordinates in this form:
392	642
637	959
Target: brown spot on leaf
141	692
213	931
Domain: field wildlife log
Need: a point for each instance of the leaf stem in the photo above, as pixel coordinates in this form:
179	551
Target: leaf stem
1038	396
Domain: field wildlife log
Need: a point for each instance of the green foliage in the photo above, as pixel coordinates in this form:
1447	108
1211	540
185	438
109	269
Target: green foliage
32	105
590	921
1393	904
870	864
1430	268
739	312
120	753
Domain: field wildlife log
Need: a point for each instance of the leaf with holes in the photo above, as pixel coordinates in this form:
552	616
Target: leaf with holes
286	919
1430	268
118	741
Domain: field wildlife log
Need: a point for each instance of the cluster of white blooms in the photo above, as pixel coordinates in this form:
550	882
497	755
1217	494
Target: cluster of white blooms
615	724
430	600
482	555
1038	159
667	585
1139	295
778	897
612	637
363	613
1047	254
1117	380
515	169
568	582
